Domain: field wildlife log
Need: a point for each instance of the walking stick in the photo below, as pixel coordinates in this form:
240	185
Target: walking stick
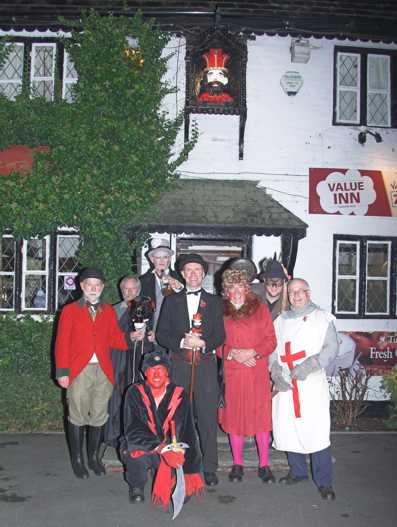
192	374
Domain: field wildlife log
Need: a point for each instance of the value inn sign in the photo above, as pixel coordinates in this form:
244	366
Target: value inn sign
351	191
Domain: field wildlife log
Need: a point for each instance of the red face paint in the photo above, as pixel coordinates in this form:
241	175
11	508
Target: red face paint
157	378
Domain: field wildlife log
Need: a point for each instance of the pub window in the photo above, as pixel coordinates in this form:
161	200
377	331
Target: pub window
364	277
11	71
36	65
7	273
38	275
35	264
364	87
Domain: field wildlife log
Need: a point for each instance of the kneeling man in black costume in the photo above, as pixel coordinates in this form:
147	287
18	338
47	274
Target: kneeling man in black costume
157	413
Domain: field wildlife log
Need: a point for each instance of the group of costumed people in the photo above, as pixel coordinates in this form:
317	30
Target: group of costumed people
273	378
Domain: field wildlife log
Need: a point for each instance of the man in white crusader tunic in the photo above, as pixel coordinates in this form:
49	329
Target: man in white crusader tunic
306	343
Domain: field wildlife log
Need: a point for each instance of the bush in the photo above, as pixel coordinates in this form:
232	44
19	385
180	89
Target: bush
390	385
29	398
350	392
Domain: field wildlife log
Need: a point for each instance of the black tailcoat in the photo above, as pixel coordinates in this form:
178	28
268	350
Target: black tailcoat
172	325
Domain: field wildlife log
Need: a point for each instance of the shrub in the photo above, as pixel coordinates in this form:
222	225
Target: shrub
29	398
350	392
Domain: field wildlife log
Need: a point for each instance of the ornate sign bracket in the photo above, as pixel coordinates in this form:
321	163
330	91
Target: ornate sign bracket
216	63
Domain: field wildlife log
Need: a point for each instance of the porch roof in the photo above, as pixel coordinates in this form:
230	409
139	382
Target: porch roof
221	207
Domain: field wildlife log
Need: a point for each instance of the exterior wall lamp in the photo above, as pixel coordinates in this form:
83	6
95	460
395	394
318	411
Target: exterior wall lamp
300	50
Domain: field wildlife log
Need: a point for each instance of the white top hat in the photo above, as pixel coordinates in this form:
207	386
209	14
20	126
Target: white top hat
158	245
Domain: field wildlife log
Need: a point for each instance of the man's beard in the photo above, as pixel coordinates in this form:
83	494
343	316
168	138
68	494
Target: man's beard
216	88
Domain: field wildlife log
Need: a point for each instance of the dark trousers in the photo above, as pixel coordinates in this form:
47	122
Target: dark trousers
136	469
205	404
321	464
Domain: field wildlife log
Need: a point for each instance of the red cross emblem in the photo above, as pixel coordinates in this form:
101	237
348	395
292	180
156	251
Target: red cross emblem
289	358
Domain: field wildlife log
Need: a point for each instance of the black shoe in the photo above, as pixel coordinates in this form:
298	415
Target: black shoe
136	495
290	479
327	493
236	473
266	475
76	438
211	479
95	435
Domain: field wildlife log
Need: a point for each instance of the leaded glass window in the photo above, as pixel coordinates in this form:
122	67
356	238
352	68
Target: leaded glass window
378	278
42	75
67	264
11	72
35	274
69	77
365	277
363	90
348	92
348	268
7	272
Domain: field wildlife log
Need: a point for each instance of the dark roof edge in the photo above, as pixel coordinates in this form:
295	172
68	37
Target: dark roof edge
379	28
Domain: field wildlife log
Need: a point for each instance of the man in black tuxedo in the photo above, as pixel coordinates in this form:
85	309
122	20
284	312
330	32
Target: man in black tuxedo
174	332
160	280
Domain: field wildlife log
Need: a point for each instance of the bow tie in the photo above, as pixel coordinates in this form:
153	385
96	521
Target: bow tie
194	292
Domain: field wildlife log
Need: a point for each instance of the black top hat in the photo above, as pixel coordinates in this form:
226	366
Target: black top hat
274	270
155	358
92	272
192	258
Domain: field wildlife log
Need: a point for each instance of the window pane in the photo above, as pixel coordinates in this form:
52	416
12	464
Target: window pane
378	72
347	260
65	293
42	70
348	70
35	292
376	301
7	256
36	255
378	96
378	260
378	109
6	292
348	105
11	72
43	61
346	295
67	250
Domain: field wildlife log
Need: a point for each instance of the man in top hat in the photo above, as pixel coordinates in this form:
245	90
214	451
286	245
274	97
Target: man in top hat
160	280
273	291
87	331
157	413
194	364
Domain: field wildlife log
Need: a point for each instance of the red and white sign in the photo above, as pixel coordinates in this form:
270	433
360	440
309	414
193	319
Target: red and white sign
352	191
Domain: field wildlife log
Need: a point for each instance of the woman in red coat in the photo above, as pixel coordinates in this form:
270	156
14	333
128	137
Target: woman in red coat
250	339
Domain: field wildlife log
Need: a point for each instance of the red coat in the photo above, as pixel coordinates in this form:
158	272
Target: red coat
247	390
79	337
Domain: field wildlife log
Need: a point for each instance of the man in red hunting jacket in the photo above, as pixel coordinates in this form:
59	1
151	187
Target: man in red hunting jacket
86	333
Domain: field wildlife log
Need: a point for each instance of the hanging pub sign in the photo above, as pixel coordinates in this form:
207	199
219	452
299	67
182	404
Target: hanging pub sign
352	191
216	61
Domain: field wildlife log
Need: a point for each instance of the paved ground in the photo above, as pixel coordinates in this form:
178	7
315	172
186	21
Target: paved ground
38	489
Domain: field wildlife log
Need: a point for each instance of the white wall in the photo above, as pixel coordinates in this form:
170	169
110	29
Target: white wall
284	137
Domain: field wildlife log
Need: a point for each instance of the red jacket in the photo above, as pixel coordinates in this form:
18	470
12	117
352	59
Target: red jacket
79	337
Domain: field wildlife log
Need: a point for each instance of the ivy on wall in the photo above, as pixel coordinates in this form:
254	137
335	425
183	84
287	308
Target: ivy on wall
111	153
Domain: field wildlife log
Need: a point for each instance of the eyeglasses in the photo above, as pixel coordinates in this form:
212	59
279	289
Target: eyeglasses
298	292
274	284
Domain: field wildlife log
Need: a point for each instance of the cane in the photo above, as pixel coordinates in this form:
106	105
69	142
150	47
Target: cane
192	374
